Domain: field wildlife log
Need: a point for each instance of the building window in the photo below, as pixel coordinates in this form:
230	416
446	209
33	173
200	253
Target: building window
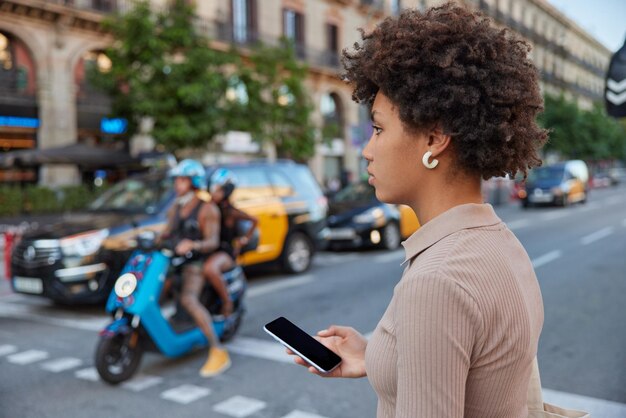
103	5
293	28
332	45
244	20
332	116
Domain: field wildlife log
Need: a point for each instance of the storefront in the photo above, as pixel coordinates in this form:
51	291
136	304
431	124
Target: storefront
19	121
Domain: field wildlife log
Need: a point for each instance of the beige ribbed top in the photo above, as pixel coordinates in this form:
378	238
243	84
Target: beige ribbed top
460	334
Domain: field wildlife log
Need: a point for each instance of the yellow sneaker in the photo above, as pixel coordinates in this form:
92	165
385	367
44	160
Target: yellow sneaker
218	362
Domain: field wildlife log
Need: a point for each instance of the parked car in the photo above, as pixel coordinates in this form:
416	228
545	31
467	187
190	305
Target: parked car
77	257
357	219
559	184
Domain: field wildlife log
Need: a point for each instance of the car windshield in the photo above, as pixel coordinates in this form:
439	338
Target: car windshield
361	191
546	173
138	195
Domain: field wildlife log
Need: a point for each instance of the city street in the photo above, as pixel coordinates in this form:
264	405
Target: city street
579	253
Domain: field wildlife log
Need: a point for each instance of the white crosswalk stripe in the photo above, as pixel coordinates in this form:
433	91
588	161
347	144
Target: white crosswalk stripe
7	349
300	414
27	357
142	382
239	406
90	374
185	394
62	364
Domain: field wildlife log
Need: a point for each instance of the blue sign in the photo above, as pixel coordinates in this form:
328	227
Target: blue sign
113	126
19	122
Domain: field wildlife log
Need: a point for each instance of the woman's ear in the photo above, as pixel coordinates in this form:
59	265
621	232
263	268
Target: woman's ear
438	141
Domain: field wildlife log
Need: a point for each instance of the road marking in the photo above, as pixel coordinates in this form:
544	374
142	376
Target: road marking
392	256
7	349
254	347
282	284
62	364
27	357
300	414
88	323
596	407
90	374
142	382
603	233
554	215
519	223
239	406
185	394
546	258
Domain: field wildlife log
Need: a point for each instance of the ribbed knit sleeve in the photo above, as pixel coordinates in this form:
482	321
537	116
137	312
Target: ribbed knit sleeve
436	325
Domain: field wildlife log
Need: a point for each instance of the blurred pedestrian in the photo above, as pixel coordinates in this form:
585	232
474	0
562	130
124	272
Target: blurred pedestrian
453	100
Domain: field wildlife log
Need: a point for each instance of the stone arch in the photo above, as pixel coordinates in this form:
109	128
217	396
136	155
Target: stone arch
36	50
332	109
77	53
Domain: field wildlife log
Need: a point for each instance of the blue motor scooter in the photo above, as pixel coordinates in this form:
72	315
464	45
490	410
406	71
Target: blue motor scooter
144	322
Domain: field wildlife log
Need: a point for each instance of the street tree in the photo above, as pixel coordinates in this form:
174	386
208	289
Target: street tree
162	68
585	134
278	106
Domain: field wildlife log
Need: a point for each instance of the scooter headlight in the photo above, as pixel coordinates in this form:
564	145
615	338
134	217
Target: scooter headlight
125	285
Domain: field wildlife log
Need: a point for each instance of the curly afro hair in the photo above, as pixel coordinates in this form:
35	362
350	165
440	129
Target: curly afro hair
449	67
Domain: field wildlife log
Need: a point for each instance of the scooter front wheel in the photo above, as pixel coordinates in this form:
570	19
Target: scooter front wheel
118	357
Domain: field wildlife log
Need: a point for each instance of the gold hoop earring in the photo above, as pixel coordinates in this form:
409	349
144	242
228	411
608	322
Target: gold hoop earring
429	165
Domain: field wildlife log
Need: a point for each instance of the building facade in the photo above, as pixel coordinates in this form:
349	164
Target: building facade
45	47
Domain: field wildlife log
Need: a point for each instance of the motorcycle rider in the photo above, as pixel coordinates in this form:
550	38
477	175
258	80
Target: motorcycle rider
194	225
221	186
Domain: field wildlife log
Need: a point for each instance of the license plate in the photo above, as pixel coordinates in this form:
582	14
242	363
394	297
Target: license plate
342	233
541	198
28	285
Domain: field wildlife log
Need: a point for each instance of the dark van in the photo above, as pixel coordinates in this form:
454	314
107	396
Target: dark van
557	184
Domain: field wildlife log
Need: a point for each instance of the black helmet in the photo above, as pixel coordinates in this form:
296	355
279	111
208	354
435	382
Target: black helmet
224	179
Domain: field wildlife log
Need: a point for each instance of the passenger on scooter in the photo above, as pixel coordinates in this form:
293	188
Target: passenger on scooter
221	186
194	225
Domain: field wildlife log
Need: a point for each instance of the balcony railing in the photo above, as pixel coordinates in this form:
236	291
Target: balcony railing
226	32
102	6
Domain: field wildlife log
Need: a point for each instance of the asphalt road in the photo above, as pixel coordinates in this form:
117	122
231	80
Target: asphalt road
579	252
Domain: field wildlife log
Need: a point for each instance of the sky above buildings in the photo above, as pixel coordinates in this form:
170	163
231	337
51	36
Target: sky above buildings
604	19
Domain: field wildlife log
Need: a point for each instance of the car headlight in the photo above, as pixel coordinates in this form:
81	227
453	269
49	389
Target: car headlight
370	216
83	244
125	285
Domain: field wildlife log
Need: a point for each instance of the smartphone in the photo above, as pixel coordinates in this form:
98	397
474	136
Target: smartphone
301	343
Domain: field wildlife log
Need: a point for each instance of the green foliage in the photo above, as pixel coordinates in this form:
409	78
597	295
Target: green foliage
10	201
39	199
584	134
279	108
162	68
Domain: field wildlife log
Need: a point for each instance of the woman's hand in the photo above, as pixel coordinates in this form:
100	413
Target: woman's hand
348	344
184	246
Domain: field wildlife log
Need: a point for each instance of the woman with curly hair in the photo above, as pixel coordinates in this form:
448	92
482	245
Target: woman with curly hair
453	101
